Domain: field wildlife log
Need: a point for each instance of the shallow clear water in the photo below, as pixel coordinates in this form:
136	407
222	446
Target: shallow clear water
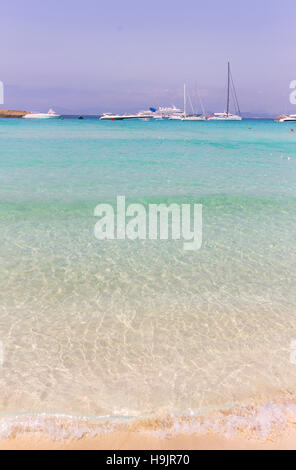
130	328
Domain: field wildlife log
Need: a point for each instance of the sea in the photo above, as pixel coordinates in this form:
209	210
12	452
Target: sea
101	335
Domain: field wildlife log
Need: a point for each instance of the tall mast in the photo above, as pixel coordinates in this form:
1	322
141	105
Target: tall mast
184	100
200	101
235	95
228	89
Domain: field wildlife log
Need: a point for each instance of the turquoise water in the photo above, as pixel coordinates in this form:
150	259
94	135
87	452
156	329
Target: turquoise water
142	328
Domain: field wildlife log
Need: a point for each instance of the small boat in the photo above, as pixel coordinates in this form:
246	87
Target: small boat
227	116
146	114
111	117
288	118
224	117
119	117
50	115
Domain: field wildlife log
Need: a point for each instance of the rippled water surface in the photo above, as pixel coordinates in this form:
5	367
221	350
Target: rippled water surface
134	328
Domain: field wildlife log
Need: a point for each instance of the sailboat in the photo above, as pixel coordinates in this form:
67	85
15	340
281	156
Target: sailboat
184	116
227	116
192	117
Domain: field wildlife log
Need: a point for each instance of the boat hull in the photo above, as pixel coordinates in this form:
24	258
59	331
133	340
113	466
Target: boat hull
27	116
225	119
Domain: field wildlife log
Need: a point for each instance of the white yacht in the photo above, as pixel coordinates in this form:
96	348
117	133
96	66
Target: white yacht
179	115
161	113
120	117
146	113
227	116
111	117
288	118
50	115
167	112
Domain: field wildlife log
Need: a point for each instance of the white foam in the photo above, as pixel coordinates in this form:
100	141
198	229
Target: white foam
267	420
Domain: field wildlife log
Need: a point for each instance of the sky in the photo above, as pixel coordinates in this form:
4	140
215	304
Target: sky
93	56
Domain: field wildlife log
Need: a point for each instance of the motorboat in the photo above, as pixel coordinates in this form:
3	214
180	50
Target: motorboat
50	115
288	118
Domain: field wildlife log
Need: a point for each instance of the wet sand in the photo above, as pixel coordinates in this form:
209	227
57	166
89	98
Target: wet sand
135	441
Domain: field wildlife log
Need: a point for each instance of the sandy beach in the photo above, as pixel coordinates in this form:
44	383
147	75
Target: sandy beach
266	426
134	441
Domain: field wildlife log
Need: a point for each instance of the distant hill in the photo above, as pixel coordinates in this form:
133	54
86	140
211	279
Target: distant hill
7	113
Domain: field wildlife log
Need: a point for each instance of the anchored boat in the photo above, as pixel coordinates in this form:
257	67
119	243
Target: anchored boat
227	116
50	115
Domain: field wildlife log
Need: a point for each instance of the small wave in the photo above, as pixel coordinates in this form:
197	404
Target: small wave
267	420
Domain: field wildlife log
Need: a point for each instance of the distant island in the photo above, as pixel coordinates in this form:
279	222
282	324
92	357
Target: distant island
6	113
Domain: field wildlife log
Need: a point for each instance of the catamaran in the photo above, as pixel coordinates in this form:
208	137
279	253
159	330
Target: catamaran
50	115
227	116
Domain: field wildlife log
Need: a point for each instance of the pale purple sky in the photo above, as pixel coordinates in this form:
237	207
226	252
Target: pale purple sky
92	56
